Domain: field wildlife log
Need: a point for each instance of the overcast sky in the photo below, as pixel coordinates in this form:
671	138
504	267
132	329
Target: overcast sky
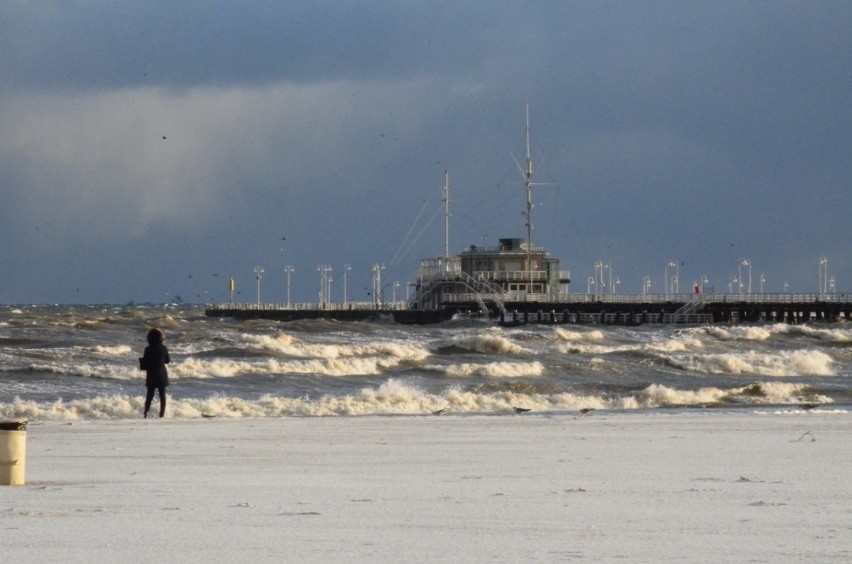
150	150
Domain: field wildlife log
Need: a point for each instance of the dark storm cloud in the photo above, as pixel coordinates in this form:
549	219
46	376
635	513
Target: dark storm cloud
203	132
66	46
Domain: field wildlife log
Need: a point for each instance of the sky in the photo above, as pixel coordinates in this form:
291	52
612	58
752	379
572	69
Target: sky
151	150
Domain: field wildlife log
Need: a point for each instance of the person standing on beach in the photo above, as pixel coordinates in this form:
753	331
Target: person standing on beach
154	362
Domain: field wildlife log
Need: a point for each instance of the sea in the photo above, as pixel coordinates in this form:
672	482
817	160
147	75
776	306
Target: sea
81	362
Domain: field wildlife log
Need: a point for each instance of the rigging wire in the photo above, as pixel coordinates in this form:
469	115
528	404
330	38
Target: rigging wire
417	238
410	229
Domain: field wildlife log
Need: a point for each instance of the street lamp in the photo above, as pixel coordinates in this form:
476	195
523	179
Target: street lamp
615	282
346	269
589	283
395	286
258	273
704	281
325	283
762	282
646	285
377	283
288	270
823	274
746	263
599	282
670	287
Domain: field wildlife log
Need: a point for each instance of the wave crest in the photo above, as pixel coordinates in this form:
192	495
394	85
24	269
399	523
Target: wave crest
398	398
782	363
489	341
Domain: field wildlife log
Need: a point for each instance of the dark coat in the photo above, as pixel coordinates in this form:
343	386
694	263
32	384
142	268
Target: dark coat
154	363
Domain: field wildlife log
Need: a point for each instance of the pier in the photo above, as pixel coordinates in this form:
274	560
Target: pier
606	309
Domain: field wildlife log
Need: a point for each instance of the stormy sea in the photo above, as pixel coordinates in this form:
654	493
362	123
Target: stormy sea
81	362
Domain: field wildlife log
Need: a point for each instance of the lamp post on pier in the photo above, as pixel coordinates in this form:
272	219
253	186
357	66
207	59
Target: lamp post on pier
346	269
377	283
288	270
325	284
670	284
258	274
746	263
823	275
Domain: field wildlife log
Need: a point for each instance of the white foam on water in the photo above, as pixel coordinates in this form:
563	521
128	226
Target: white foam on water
288	345
487	341
579	336
491	369
400	398
743	332
119	350
782	363
831	335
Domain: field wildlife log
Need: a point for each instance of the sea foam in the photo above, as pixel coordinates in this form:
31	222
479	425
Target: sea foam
492	369
395	397
488	341
782	363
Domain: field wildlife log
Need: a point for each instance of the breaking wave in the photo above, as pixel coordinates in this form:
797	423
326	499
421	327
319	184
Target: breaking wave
288	345
398	398
491	369
782	363
488	341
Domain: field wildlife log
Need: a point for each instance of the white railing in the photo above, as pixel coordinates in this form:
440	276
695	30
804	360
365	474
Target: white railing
704	299
308	306
663	298
514	276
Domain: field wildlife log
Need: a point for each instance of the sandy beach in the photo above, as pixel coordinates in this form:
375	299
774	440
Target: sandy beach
642	487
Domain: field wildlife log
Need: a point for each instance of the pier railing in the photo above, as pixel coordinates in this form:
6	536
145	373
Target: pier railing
650	299
704	299
308	306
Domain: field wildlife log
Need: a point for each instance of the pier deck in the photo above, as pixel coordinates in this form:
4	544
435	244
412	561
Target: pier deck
616	309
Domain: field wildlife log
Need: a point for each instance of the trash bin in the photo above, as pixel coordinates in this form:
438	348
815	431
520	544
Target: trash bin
13	452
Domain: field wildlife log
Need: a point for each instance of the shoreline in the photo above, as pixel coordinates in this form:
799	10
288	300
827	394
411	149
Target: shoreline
693	485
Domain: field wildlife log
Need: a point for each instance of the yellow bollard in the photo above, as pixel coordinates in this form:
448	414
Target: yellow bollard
13	453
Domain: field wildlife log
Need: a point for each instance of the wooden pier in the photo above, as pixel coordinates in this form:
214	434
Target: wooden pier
609	309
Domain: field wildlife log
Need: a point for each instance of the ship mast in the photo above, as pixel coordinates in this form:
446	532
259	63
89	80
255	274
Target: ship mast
528	184
446	192
527	172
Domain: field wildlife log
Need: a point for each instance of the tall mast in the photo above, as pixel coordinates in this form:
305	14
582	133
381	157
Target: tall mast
528	174
446	192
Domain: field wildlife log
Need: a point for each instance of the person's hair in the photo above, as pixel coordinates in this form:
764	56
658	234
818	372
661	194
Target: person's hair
155	336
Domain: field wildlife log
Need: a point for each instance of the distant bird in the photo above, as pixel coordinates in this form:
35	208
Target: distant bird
808	406
586	410
283	238
520	410
440	411
164	136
